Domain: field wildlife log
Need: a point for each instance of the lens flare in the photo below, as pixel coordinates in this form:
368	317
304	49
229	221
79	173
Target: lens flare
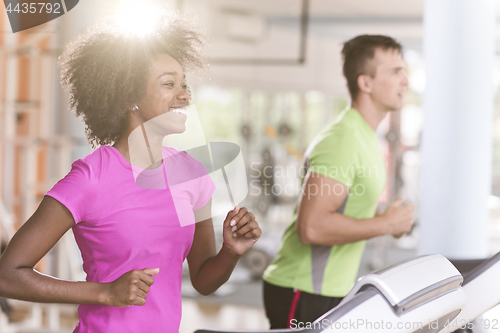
139	17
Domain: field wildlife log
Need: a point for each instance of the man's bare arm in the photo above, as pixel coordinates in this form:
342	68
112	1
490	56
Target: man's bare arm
320	218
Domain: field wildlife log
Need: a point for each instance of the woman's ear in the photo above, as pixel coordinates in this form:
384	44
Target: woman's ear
365	83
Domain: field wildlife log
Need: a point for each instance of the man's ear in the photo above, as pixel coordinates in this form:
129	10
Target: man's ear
365	83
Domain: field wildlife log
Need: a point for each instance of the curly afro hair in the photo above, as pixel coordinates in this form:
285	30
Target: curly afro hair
105	70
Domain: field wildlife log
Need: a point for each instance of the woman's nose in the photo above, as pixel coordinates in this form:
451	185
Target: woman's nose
184	95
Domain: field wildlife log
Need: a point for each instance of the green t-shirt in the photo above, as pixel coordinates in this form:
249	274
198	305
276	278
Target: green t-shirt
347	151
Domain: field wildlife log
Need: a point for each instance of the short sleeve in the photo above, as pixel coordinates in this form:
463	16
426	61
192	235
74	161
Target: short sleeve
335	156
73	190
207	189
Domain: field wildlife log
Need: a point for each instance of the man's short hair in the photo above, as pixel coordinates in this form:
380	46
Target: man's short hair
356	54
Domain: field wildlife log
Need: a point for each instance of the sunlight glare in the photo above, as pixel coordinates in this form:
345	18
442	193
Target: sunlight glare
139	17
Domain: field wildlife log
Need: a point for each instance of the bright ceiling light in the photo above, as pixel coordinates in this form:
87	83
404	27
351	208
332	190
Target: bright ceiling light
139	17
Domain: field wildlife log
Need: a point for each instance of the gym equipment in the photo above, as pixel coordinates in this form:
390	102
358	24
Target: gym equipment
483	293
420	295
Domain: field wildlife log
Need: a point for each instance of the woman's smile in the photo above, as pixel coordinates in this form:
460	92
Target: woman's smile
179	110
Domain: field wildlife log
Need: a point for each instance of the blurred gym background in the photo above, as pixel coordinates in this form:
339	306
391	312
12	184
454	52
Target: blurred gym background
275	81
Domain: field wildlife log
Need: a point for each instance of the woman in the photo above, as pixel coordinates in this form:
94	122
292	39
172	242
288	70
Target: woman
130	235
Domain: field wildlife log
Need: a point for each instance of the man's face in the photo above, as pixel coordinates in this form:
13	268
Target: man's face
389	82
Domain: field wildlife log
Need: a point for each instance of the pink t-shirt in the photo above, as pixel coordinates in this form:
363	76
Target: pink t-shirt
124	223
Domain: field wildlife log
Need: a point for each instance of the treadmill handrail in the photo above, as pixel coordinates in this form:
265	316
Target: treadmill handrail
481	269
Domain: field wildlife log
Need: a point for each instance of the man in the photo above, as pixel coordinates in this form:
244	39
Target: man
320	252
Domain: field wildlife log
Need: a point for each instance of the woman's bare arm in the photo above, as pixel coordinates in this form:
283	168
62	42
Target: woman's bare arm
207	268
18	278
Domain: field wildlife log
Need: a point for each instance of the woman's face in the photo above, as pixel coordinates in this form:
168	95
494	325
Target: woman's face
163	108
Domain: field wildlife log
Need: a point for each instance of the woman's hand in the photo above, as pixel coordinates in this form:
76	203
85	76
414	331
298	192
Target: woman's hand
131	288
241	231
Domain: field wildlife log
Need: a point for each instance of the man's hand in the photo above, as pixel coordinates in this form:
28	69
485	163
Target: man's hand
241	231
399	218
131	288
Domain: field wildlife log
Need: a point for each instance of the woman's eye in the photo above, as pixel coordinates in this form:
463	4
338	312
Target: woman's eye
170	84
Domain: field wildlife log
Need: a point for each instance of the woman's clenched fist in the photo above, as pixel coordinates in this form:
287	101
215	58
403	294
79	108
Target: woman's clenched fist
131	288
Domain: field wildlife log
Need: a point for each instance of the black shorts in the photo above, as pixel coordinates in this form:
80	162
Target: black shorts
285	308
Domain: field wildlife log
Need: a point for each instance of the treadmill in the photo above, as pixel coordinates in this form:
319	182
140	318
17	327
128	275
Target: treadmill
417	295
482	290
